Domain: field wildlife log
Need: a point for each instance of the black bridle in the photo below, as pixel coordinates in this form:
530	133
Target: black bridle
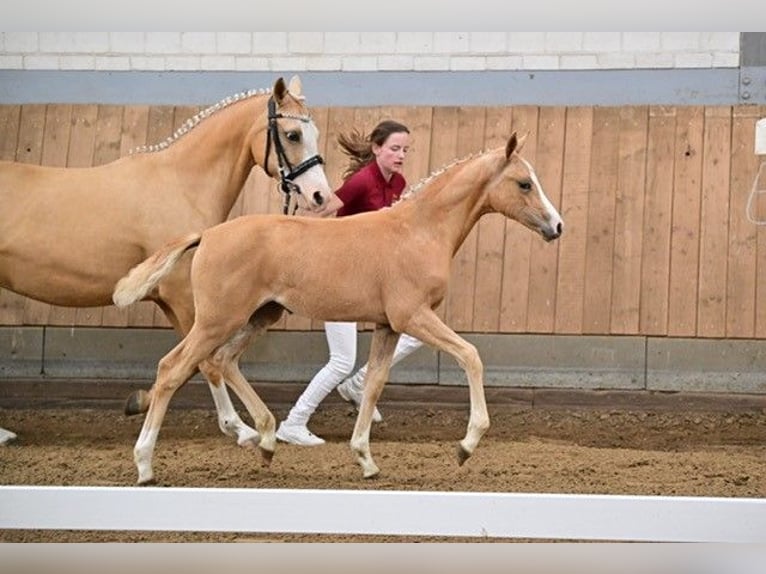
287	172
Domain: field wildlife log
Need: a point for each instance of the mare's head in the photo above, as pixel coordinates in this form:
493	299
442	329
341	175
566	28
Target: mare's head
292	146
515	191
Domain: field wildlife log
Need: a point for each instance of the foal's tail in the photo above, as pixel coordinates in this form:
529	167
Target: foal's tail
146	275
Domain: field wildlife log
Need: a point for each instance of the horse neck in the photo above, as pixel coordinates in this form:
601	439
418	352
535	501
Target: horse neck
454	202
216	157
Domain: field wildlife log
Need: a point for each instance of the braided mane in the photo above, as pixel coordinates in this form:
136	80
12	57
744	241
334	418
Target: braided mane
193	121
416	187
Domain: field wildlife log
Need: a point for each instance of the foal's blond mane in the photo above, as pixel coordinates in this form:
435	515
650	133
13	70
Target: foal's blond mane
195	120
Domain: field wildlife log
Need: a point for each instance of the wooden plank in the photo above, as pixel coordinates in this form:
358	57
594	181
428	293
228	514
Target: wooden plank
758	188
601	211
10	120
44	132
107	149
543	257
657	221
161	124
570	291
419	120
684	253
11	304
514	301
460	296
742	263
629	216
714	220
56	146
443	151
82	142
490	238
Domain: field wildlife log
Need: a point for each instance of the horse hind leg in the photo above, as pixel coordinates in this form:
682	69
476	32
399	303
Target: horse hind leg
229	421
180	313
226	361
173	371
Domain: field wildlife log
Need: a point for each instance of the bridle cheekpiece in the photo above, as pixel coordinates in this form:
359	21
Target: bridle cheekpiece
287	172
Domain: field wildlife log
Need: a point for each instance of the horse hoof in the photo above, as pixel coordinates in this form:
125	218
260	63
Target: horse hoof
249	440
462	455
372	472
266	456
7	437
146	481
137	403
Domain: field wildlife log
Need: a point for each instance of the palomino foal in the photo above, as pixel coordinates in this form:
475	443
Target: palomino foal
272	263
68	234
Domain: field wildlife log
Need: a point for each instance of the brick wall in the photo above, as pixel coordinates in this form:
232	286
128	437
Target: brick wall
366	51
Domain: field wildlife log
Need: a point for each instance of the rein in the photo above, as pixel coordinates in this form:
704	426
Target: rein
287	172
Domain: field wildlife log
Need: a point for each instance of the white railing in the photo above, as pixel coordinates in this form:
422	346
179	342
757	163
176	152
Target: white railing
394	513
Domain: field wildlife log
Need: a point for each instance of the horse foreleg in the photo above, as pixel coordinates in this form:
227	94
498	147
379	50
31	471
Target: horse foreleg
426	326
381	352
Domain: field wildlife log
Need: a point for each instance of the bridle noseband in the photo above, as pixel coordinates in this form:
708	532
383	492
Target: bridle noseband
287	173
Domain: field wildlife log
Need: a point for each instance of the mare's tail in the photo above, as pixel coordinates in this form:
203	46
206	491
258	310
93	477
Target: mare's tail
146	275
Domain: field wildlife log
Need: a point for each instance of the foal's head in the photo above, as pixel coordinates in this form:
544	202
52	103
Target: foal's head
292	145
516	192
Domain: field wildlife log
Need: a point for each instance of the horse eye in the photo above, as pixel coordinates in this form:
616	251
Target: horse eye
525	185
293	136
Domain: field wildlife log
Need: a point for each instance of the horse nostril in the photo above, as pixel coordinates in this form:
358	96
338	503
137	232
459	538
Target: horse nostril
559	228
318	199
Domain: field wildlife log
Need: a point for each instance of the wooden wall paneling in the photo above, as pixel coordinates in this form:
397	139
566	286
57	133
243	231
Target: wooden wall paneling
419	120
71	145
543	267
685	235
11	304
108	148
143	125
460	295
629	216
514	300
443	151
714	229
98	127
742	263
599	262
760	261
58	130
575	191
490	238
10	120
32	150
657	220
82	145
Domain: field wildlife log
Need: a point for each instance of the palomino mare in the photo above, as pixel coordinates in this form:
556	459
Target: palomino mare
275	263
68	234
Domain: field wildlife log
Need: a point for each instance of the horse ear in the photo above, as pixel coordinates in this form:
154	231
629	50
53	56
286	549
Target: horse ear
511	145
296	86
522	141
280	90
